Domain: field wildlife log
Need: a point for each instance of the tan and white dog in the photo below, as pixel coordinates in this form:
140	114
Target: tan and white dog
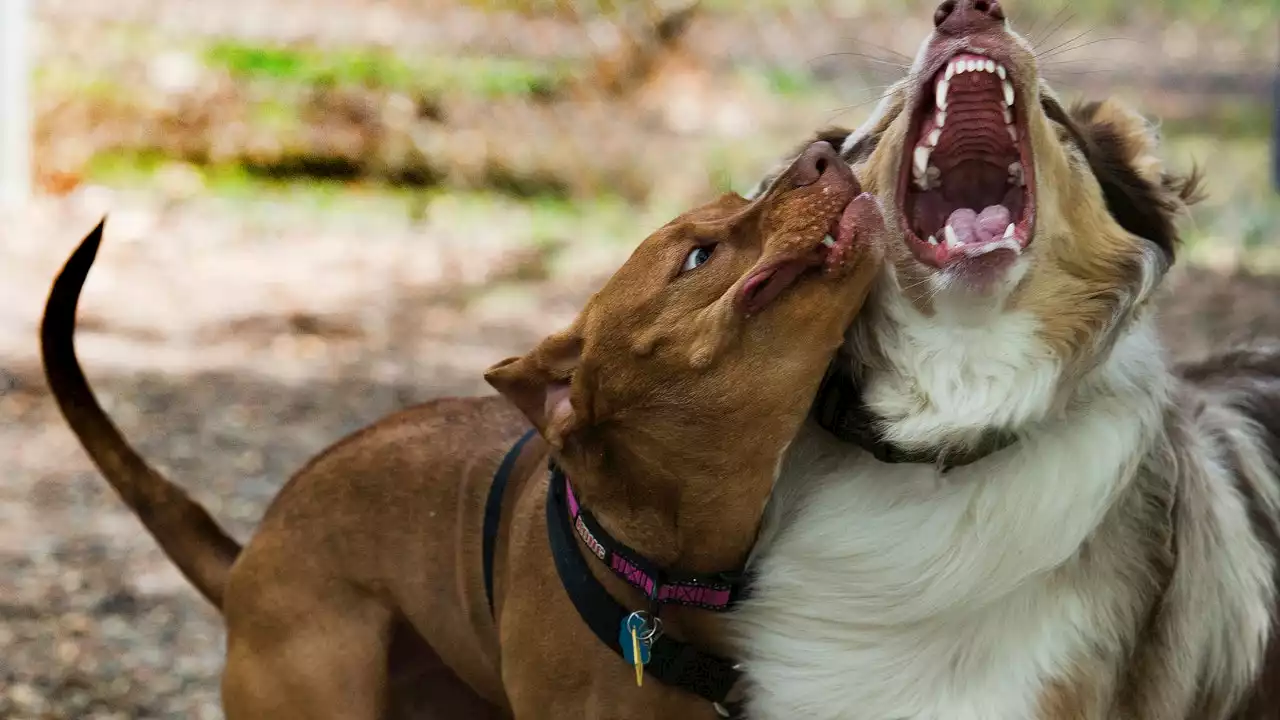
1044	519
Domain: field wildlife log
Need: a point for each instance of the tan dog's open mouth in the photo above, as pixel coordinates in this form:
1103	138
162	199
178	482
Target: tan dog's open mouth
966	187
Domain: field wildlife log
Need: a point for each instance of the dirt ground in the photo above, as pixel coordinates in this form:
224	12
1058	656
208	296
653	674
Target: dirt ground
229	361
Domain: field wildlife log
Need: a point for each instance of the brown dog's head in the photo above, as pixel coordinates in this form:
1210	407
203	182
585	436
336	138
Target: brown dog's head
700	356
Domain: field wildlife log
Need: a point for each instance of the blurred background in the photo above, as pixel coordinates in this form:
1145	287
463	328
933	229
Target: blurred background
325	210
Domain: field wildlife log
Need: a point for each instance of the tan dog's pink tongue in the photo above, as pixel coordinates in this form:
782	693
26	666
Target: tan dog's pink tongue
972	227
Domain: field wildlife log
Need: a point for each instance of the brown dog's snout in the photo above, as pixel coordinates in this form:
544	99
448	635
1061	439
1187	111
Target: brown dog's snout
966	17
818	160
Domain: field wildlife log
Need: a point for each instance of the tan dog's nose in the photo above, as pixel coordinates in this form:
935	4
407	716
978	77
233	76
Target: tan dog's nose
818	160
966	17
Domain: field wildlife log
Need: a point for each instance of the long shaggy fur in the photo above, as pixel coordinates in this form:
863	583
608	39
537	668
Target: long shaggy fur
1118	561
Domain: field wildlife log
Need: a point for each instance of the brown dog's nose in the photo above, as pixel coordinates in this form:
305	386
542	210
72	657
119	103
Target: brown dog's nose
966	17
817	160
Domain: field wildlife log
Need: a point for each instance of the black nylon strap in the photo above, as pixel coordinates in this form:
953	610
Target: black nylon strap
493	511
733	583
672	662
838	409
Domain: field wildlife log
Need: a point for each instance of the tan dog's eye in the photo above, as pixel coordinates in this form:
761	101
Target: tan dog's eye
697	256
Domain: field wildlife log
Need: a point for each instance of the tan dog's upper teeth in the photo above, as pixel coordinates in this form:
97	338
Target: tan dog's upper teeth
964	65
1015	173
921	164
933	178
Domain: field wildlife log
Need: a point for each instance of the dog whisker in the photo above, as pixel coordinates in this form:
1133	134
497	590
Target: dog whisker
891	51
1039	40
1069	47
864	56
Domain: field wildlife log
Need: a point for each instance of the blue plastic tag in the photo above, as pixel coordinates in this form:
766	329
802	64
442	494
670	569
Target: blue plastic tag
636	624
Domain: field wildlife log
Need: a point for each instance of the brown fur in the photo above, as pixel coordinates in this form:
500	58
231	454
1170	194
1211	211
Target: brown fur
361	594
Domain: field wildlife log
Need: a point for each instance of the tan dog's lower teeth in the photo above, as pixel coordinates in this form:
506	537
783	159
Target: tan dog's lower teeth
829	241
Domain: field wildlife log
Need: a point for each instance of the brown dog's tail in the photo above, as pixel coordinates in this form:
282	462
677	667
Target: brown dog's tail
185	531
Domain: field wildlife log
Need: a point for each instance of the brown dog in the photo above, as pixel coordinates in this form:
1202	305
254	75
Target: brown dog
669	403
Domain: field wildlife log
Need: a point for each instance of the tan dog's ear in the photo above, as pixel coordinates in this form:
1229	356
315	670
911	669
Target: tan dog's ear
1122	150
539	384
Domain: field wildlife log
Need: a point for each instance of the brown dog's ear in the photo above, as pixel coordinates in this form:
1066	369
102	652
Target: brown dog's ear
539	385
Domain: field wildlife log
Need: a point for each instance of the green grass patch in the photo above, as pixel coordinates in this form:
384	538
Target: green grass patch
548	222
788	82
1229	119
482	76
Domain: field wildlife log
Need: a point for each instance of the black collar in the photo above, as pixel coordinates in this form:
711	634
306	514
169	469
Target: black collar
838	409
670	661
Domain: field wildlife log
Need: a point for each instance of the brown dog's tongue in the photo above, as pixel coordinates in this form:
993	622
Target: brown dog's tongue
861	216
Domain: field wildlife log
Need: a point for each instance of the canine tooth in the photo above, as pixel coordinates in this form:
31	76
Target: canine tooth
951	71
1001	72
1008	92
933	137
831	242
1008	115
950	234
940	99
922	159
933	240
1013	132
940	118
990	65
1008	232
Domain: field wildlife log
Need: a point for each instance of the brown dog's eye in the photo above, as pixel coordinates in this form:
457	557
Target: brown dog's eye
697	257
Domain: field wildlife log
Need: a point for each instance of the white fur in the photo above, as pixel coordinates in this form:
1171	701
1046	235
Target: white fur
964	370
889	591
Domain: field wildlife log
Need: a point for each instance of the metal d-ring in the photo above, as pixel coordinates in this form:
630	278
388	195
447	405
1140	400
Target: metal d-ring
652	625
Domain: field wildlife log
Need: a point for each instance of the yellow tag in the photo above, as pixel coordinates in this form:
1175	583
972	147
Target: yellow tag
635	653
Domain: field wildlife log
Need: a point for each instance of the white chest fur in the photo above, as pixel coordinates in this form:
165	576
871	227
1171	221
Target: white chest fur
889	591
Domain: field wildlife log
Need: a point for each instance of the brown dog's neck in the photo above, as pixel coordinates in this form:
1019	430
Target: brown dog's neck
686	516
